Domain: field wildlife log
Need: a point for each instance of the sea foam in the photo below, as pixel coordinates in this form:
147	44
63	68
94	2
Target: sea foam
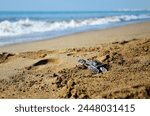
28	26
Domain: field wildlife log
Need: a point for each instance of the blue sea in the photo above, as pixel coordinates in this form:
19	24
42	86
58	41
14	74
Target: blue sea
18	27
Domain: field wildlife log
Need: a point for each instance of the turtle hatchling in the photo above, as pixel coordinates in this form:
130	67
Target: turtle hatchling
94	65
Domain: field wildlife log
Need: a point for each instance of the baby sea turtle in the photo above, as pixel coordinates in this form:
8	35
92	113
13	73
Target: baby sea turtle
94	65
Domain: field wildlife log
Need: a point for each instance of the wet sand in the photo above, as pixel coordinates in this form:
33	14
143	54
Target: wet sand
50	69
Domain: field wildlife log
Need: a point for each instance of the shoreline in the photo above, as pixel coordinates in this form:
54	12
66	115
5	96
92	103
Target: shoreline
83	39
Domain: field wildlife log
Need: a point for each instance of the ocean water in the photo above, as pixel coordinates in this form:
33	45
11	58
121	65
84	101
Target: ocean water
18	27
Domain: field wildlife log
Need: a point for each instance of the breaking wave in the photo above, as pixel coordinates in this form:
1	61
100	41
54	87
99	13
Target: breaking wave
28	26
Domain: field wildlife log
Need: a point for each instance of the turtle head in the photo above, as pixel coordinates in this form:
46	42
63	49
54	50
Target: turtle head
82	61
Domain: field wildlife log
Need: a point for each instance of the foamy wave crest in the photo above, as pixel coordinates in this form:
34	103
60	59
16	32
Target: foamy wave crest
27	26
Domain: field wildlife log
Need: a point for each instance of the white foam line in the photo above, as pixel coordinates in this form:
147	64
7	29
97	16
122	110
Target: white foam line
27	26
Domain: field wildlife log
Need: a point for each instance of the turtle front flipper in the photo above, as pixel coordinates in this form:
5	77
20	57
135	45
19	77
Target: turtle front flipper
94	69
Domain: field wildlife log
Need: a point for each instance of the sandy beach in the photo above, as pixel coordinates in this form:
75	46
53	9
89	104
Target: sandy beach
50	68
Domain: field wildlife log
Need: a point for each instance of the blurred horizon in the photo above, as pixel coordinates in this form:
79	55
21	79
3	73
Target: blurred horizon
71	5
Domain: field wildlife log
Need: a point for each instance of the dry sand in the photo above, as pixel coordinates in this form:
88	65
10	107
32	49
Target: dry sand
49	69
